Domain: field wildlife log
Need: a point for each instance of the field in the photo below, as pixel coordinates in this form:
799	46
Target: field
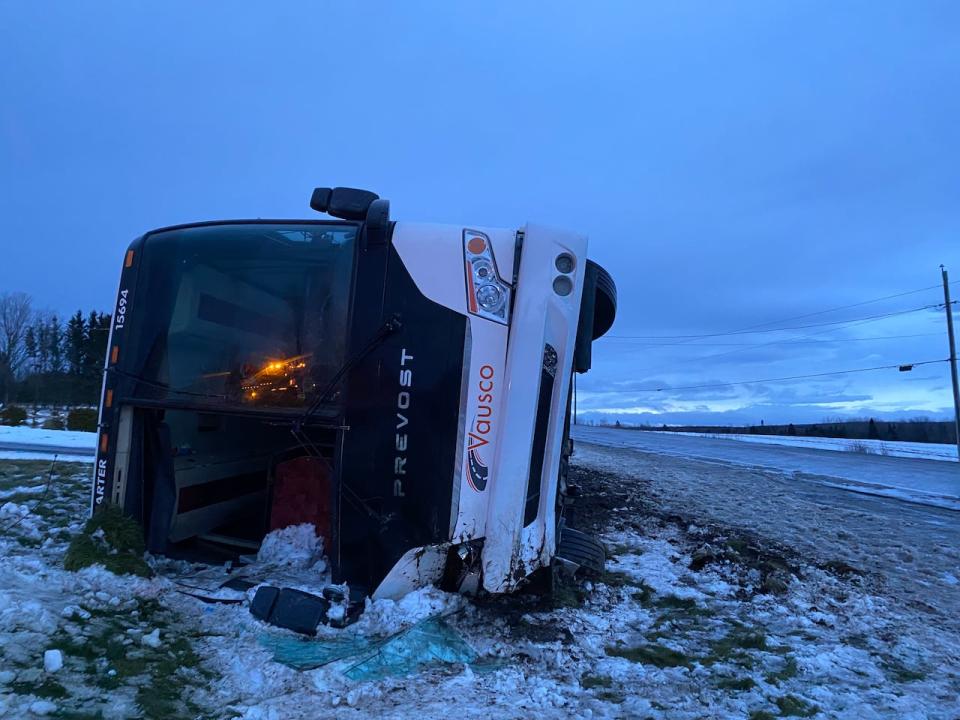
730	592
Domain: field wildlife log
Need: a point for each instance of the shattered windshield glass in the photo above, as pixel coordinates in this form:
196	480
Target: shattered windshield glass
244	314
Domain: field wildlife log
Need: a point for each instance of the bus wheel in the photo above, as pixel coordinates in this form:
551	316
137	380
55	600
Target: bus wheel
581	549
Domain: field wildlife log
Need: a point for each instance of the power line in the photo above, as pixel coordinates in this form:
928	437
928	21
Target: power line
793	377
799	317
758	345
795	327
846	307
790	342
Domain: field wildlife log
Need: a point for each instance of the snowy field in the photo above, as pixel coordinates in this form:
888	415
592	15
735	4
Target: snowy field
791	599
928	451
919	480
27	443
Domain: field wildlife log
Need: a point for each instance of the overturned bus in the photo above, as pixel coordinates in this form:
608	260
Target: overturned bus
405	388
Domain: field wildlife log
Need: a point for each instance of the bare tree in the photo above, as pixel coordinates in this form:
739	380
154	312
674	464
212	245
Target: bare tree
15	315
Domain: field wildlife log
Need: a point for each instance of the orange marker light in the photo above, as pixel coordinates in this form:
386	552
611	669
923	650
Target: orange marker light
471	291
476	245
104	440
115	353
108	400
129	259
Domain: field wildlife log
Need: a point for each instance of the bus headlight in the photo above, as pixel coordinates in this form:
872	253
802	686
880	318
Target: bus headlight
487	294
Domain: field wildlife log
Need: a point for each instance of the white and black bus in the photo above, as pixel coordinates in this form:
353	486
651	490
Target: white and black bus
404	387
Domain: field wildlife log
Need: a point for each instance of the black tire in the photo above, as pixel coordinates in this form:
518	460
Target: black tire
581	549
605	307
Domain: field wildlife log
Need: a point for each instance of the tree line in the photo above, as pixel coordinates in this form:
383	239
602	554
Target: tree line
46	360
922	430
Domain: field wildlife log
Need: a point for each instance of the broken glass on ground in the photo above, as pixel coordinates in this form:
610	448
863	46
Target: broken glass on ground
430	642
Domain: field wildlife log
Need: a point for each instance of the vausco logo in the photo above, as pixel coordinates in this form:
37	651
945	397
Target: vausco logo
479	434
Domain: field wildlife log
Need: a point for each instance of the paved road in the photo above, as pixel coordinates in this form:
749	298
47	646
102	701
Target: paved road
918	480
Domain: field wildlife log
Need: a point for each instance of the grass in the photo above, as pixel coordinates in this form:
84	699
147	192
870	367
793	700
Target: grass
48	689
734	646
163	679
737	684
676	603
787	672
643	595
16	473
792	706
656	655
120	534
900	673
761	715
31	473
588	681
610	696
161	675
616	578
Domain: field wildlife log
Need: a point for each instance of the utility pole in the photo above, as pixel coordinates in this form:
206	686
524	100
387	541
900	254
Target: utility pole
953	358
574	398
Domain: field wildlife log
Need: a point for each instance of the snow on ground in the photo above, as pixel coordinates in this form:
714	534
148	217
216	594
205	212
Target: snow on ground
928	451
38	436
916	480
27	443
48	455
694	618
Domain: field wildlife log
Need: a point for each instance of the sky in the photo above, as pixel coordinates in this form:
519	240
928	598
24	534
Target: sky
733	164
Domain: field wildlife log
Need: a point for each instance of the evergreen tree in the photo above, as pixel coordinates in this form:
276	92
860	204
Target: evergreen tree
41	333
872	432
75	344
55	344
30	345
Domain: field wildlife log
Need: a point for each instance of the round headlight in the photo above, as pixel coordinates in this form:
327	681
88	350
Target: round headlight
483	269
565	262
562	285
490	297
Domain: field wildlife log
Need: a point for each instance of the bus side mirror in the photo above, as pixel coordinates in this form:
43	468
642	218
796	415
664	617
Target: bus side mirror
343	203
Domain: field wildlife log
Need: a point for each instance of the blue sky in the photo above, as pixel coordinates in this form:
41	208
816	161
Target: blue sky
733	164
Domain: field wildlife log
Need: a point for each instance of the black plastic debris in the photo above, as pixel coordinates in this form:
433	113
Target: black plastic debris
238	583
212	599
352	601
291	609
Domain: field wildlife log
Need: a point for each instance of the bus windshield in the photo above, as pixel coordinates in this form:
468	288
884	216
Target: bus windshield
250	314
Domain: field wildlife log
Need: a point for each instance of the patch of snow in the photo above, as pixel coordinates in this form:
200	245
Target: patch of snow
151	639
52	661
296	546
44	455
42	707
25	490
387	617
891	448
56	438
